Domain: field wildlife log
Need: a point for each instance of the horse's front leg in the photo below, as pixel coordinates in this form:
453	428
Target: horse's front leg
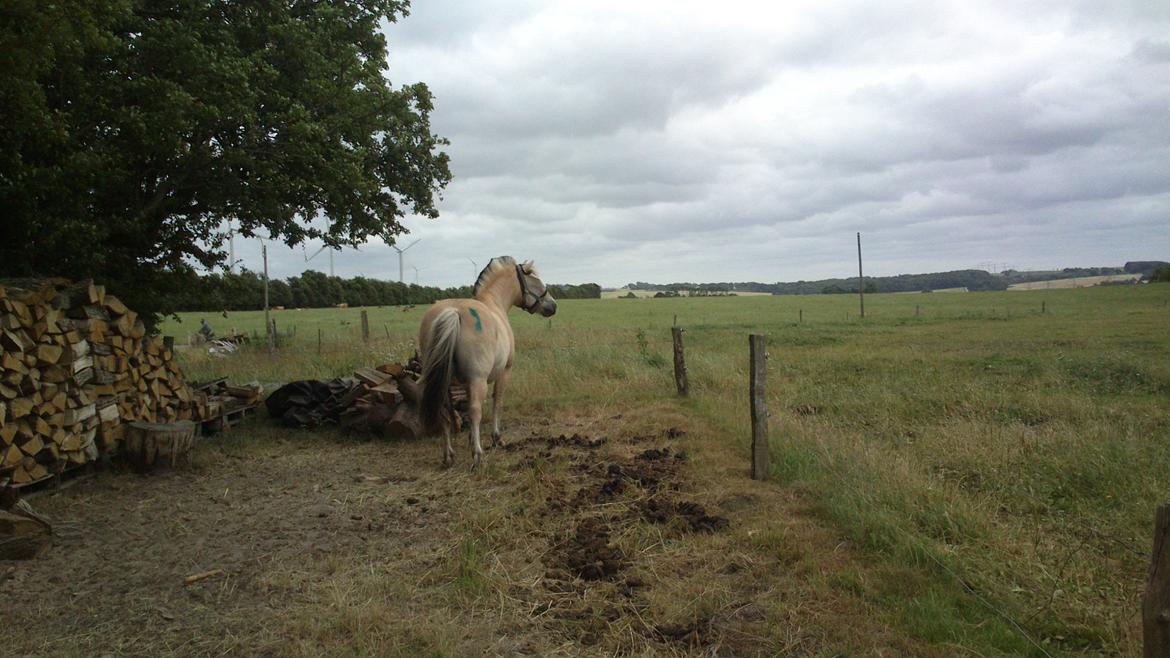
498	406
476	393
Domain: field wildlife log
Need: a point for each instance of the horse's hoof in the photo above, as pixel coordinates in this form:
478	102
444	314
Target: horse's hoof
497	440
477	464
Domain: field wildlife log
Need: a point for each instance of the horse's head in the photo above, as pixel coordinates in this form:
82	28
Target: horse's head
533	293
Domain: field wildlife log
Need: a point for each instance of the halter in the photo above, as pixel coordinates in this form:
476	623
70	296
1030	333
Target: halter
525	292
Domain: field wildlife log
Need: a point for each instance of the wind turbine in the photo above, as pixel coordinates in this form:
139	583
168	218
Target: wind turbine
415	273
400	251
323	248
476	270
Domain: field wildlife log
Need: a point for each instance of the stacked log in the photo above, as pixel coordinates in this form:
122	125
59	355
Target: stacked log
381	401
75	366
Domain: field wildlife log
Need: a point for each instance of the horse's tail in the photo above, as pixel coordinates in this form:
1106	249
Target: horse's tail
438	368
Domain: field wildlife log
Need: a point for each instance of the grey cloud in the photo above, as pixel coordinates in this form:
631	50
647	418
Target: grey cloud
615	142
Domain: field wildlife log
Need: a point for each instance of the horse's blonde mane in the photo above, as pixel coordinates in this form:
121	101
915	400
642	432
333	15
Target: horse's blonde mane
497	265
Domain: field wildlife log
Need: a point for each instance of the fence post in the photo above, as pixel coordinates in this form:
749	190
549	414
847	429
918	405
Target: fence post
318	340
365	326
387	328
801	318
680	363
1156	600
1043	307
760	457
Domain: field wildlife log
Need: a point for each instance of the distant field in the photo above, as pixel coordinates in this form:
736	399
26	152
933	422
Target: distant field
957	443
614	294
1077	282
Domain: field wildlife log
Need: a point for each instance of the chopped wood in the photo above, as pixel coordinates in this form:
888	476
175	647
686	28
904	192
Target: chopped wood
371	377
115	305
23	537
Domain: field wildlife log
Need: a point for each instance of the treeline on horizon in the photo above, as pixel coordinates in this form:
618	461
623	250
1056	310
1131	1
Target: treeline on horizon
245	292
973	280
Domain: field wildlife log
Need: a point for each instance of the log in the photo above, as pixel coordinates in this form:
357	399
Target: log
405	423
150	446
22	537
410	390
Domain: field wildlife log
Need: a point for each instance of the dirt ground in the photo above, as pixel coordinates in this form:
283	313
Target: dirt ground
586	537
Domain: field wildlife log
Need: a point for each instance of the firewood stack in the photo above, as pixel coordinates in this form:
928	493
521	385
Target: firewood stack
75	365
381	401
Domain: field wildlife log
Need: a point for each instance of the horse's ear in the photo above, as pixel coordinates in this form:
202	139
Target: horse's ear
528	266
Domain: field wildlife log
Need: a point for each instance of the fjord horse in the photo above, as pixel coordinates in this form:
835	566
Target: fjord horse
470	340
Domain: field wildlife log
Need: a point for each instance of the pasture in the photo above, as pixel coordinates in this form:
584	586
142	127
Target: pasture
953	474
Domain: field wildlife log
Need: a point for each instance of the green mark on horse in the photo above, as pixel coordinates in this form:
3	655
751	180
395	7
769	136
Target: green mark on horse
478	325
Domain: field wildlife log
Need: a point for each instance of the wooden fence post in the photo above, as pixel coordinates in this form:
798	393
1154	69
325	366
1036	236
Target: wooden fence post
760	457
318	340
365	326
1043	307
801	317
1156	600
680	363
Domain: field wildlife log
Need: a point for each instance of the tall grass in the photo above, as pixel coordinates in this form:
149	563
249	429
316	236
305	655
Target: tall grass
1000	465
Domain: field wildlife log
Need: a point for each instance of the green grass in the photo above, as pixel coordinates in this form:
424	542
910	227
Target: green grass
974	442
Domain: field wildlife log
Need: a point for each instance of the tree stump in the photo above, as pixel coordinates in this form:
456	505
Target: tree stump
151	446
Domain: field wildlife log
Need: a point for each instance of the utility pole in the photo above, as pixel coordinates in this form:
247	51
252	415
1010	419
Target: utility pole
267	322
860	278
231	248
400	251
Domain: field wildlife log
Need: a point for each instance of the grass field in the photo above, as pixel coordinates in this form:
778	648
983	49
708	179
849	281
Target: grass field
995	467
1076	282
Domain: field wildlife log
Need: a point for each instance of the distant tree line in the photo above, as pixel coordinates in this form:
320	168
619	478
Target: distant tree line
974	280
245	292
970	279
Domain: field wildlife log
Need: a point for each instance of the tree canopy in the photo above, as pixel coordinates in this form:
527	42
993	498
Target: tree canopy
133	130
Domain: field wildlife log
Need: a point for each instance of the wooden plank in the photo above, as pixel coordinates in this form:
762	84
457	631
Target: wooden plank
758	345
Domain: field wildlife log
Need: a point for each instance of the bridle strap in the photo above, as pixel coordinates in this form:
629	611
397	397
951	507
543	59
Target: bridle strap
525	292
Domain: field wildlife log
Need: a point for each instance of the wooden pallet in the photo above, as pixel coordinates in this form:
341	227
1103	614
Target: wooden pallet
66	477
228	419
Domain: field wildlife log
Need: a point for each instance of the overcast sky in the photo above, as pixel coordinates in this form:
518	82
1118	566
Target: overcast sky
749	141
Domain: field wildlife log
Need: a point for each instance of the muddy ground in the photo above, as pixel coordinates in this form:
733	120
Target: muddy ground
606	542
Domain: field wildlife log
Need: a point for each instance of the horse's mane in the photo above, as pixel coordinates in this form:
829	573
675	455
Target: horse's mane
500	264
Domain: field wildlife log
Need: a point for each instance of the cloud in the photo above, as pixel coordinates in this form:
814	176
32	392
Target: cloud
662	141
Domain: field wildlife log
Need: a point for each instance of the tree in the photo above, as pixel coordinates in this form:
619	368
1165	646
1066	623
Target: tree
1161	275
133	130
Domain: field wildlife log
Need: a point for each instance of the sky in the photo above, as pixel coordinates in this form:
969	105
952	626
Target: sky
640	140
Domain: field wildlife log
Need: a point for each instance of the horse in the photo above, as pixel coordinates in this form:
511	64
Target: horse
470	340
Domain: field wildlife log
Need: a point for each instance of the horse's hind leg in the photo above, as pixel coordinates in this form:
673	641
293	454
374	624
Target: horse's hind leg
448	451
498	407
476	392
